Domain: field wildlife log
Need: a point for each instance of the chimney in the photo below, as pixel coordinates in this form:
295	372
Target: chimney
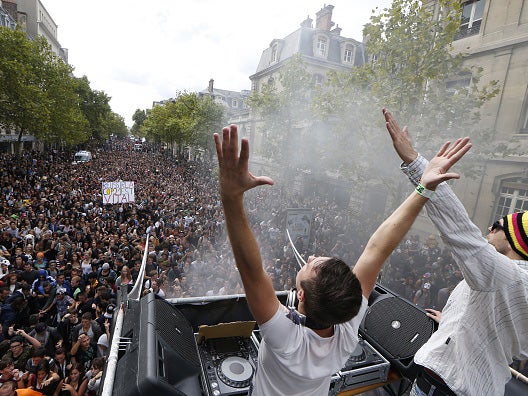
324	18
307	22
210	88
337	30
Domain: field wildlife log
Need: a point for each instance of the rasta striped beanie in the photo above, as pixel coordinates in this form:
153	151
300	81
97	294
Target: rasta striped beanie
516	229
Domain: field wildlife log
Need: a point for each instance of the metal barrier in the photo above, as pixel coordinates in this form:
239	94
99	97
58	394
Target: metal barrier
123	297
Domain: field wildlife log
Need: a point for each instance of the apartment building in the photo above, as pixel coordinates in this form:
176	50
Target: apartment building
37	21
494	35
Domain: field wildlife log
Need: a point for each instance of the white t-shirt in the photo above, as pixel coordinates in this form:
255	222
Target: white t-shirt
294	360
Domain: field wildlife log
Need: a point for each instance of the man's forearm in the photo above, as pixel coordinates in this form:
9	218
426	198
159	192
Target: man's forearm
385	240
391	231
245	248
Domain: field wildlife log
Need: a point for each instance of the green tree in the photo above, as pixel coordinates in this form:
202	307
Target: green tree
95	106
139	118
116	125
37	92
211	118
412	70
184	121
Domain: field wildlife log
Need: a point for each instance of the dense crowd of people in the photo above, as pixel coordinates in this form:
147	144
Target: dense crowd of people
65	254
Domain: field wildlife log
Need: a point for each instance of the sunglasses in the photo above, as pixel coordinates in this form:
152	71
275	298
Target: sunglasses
496	226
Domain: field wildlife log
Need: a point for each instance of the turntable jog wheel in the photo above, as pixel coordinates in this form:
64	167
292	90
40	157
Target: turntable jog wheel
235	371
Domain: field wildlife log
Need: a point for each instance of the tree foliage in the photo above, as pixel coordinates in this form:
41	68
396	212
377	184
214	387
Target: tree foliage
413	71
37	92
139	118
116	125
40	96
95	106
187	120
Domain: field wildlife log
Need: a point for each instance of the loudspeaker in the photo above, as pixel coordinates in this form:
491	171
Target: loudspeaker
396	328
162	357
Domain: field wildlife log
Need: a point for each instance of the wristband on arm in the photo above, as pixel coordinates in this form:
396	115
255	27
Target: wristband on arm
424	192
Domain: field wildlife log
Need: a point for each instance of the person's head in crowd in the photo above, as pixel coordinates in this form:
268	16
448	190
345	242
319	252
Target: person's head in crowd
28	267
97	365
29	252
60	355
38	355
16	345
46	285
119	262
12	279
71	315
77	373
60	278
92	280
75	271
25	289
84	341
82	297
86	320
6	368
4	265
75	281
52	266
102	292
40	328
42	274
4	293
43	370
109	311
110	281
61	293
125	273
8	388
33	320
19	262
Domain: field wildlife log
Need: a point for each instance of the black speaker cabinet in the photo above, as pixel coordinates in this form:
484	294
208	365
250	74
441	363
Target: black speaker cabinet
161	358
397	328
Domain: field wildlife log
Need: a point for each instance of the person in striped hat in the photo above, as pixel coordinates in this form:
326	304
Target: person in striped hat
515	228
484	324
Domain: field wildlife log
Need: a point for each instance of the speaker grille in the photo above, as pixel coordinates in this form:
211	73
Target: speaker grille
176	331
398	326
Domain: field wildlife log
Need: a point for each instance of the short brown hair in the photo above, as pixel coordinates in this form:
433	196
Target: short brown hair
333	295
87	315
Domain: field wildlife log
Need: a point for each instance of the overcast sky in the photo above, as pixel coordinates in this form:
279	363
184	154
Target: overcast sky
142	51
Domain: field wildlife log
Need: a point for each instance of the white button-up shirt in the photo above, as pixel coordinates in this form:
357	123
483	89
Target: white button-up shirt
484	324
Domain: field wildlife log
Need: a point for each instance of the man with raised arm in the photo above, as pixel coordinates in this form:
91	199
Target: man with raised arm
295	359
484	323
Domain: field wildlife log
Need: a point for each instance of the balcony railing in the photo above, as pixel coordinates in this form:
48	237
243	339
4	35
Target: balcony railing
466	31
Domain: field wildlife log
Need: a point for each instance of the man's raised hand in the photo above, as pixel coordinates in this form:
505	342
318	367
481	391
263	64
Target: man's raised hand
234	176
437	170
401	139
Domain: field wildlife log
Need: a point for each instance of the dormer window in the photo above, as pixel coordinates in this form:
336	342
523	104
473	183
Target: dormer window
348	56
234	103
321	46
274	53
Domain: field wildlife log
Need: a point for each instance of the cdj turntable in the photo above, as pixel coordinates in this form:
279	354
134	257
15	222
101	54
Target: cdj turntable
228	365
365	366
